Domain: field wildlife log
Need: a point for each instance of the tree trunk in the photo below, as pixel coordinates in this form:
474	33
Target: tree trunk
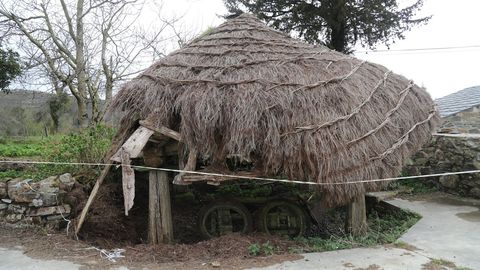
338	25
80	68
82	112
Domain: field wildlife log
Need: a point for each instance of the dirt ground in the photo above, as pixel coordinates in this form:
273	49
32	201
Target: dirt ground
108	228
227	252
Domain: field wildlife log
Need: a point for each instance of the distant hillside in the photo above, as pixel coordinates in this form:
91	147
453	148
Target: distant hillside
27	113
23	98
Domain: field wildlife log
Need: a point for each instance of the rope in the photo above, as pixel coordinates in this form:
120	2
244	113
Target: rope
248	177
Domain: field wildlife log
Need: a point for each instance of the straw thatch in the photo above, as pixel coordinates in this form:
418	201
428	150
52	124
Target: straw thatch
296	110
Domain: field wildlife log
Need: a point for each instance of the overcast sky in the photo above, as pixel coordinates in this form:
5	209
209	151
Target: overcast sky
454	23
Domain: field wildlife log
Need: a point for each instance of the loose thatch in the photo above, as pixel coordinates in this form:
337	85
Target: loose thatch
296	110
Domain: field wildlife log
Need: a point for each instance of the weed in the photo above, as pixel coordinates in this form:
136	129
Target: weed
254	249
383	229
443	262
267	249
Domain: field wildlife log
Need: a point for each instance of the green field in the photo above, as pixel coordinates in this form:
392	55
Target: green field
87	146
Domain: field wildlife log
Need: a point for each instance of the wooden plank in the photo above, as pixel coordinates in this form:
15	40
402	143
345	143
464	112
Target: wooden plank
128	181
162	130
356	223
154	219
94	192
165	207
215	179
135	144
190	166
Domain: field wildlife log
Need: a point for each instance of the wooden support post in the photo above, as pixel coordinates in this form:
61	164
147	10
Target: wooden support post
165	207
356	223
154	220
160	225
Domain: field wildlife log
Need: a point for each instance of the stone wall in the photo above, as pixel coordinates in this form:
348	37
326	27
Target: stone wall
47	202
467	121
447	154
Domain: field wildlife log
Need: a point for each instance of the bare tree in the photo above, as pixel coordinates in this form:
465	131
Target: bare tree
84	46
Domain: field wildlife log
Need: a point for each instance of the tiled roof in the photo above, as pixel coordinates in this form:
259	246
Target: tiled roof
459	101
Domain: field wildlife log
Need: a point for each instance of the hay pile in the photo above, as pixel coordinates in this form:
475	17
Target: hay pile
298	111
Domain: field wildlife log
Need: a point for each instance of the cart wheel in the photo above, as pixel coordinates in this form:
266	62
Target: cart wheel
282	218
220	218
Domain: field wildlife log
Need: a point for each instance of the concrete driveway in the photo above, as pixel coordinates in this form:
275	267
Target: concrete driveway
16	259
448	231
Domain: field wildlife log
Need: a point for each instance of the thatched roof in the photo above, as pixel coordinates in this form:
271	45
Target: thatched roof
296	110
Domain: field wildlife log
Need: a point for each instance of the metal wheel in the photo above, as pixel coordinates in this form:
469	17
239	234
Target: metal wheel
282	218
220	218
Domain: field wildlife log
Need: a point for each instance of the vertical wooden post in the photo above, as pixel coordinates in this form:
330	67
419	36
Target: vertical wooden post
154	220
160	226
356	223
165	207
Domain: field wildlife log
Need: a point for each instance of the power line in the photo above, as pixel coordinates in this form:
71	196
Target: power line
246	177
421	49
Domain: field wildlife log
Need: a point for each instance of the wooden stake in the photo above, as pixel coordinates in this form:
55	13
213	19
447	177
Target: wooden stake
92	196
356	223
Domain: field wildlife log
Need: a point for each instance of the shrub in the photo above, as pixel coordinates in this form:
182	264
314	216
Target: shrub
87	146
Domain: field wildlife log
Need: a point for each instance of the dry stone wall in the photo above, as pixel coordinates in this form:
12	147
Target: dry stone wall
467	121
44	203
452	154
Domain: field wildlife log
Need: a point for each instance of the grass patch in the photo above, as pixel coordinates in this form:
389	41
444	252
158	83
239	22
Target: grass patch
417	186
20	150
443	262
438	264
384	228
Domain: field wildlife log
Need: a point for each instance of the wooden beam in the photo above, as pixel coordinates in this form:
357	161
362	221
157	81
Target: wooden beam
134	144
94	192
356	222
162	131
154	219
214	179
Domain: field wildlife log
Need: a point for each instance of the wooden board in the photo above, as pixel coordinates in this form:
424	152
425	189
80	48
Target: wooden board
135	144
128	182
